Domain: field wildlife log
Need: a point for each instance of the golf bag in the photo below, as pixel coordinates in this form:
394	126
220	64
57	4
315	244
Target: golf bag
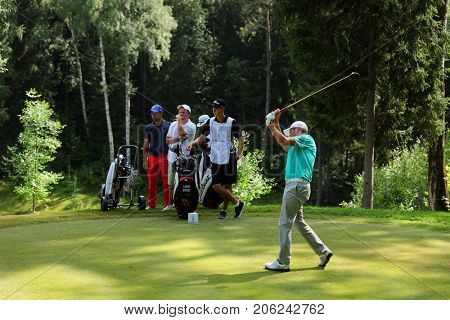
185	185
120	180
207	196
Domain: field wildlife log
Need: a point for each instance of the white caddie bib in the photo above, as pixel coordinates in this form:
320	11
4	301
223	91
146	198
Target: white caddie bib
221	140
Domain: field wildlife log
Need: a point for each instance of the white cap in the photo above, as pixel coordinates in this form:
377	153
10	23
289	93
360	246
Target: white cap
202	120
296	124
185	106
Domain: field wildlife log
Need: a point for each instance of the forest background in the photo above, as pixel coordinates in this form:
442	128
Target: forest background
102	64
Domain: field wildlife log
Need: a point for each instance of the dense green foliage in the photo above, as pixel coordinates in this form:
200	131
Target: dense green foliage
251	181
324	39
401	184
192	51
404	43
8	31
37	146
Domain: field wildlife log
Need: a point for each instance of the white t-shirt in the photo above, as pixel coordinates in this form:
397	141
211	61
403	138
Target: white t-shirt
189	128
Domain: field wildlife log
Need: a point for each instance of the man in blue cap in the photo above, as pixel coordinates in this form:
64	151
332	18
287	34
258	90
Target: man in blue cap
154	158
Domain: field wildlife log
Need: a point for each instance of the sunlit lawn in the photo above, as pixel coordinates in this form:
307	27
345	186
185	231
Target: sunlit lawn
161	257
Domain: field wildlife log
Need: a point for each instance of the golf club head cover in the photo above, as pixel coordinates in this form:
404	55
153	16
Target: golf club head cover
270	118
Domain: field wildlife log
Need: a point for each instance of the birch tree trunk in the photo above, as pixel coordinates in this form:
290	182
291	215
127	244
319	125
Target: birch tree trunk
268	59
80	80
105	95
268	76
143	64
127	106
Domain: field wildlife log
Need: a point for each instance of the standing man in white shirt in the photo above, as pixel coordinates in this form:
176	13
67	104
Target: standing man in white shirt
222	129
181	133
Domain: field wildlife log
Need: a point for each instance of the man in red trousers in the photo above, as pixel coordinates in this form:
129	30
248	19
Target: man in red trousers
155	155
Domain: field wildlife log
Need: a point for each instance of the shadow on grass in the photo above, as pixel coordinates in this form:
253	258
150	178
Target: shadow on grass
214	279
164	258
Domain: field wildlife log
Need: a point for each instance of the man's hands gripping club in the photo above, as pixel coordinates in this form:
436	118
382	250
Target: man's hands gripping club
269	118
275	130
273	117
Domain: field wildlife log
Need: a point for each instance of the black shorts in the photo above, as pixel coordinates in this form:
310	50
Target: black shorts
225	173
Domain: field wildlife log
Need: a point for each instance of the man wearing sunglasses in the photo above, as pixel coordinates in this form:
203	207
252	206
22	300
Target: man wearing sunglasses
301	154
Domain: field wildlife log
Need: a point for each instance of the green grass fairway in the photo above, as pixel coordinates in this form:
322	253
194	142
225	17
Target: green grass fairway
161	257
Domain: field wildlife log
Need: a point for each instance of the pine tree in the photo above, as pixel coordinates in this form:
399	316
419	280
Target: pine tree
393	45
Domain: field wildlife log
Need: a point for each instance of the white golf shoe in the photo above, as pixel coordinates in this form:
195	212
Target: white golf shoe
277	266
168	207
325	258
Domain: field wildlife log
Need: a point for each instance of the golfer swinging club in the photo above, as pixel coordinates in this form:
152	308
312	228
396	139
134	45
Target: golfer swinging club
301	154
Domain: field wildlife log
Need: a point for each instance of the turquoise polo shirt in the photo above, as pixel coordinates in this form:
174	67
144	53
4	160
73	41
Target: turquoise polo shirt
300	158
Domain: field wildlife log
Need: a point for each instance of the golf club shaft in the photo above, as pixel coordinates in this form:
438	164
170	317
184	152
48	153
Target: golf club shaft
318	90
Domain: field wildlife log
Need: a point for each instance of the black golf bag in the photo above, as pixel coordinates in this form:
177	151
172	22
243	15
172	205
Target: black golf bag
207	196
185	185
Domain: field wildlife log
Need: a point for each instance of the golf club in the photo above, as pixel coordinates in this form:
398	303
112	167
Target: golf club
319	90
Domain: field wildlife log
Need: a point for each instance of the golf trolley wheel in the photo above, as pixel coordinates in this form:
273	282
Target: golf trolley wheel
141	203
182	216
104	204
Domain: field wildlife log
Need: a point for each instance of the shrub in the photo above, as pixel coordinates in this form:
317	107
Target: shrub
402	184
36	148
251	183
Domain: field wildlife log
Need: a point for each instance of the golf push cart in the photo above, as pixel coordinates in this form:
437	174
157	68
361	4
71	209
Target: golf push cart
120	180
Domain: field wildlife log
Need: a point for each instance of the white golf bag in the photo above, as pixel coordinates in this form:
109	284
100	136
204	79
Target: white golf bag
120	180
207	196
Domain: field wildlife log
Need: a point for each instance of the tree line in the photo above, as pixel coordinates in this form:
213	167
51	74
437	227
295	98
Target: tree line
101	64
